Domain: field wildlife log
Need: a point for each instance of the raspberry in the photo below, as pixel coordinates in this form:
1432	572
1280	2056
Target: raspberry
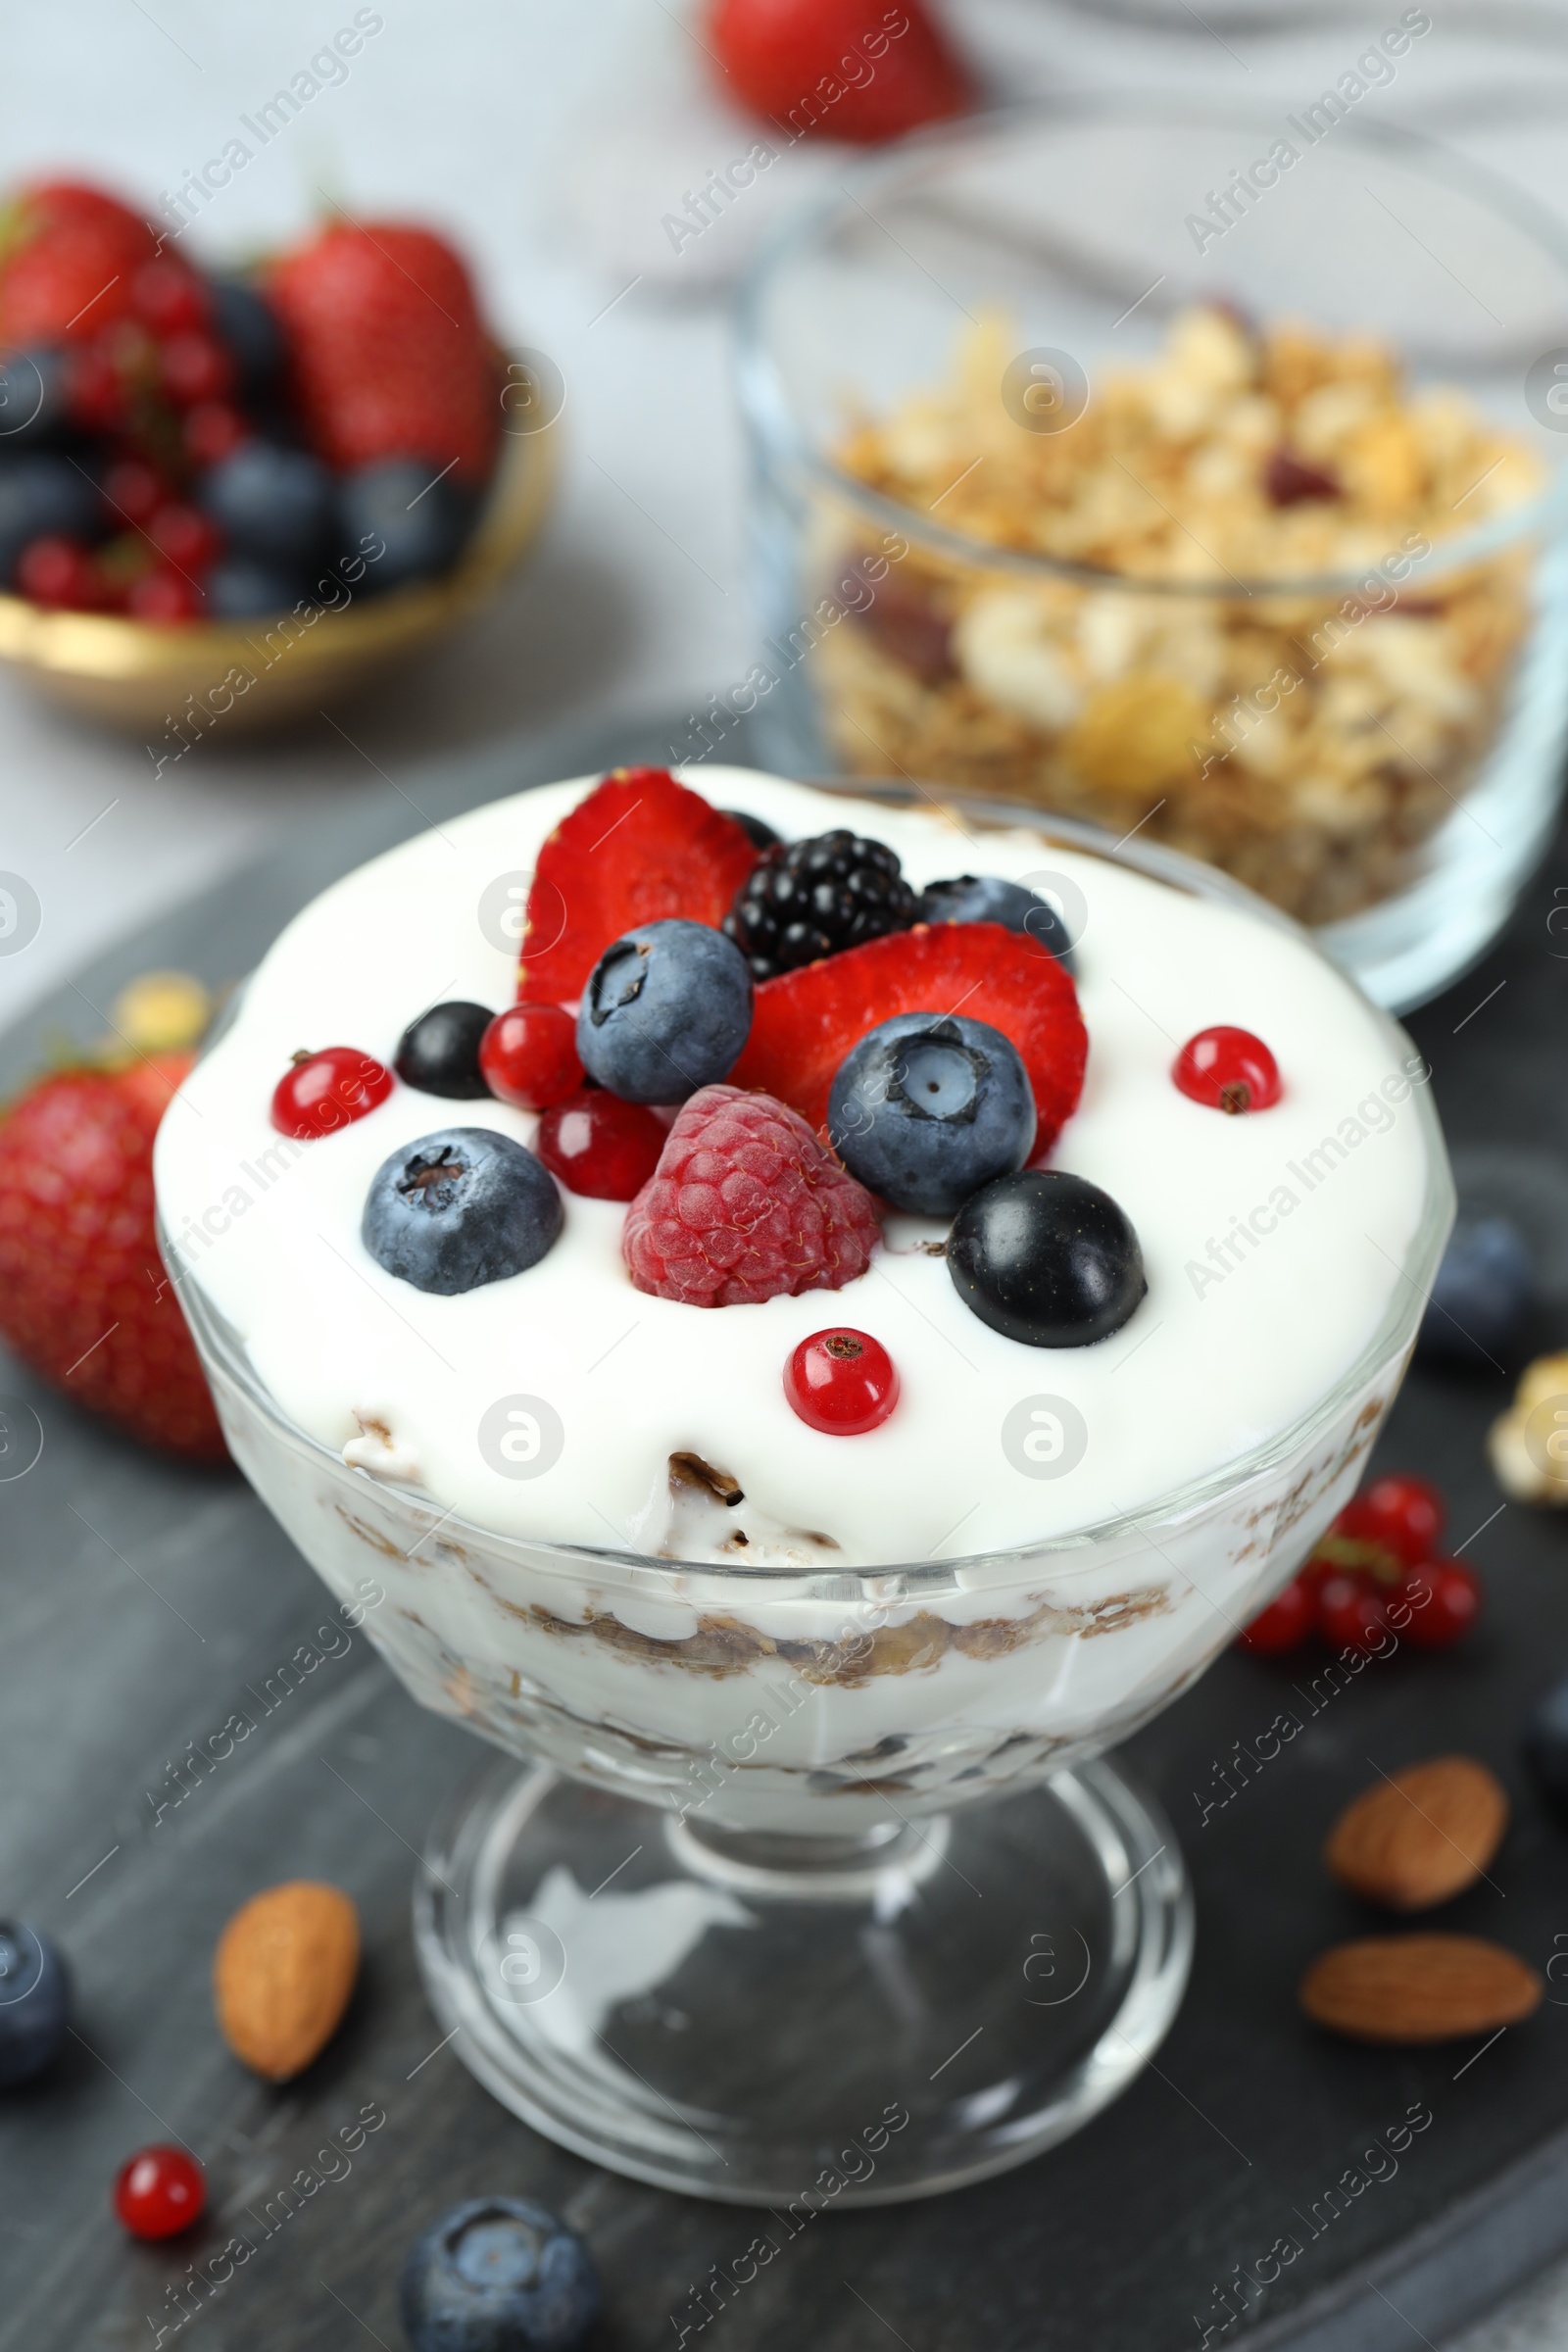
746	1204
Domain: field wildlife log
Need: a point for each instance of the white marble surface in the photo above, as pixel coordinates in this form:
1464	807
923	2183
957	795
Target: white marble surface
552	139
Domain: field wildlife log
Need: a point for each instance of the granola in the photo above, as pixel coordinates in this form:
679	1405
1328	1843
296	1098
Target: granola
1305	738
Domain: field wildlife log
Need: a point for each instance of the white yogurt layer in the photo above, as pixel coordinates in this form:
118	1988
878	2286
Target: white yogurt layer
1272	1241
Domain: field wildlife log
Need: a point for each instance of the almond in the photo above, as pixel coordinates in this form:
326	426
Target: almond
282	1974
1420	1837
1418	1989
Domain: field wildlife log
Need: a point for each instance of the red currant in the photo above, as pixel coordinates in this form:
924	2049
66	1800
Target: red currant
1286	1623
213	431
529	1056
842	1381
59	572
599	1146
95	396
1405	1515
1451	1606
168	297
159	2192
327	1090
163	595
194	366
1228	1069
134	490
1351	1611
183	535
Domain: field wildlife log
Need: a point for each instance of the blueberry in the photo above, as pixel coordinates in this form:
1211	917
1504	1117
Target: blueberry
1047	1258
418	515
32	398
499	2274
761	836
42	494
929	1107
248	326
1545	1744
271	502
242	588
666	1010
439	1052
1482	1295
459	1208
988	898
34	1996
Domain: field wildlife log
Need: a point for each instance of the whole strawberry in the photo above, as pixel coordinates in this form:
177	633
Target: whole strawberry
83	1298
849	68
387	351
68	256
746	1204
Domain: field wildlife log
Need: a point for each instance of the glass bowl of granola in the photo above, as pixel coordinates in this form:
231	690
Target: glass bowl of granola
1194	473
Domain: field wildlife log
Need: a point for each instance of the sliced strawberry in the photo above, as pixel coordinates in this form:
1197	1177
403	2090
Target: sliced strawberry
807	1021
639	849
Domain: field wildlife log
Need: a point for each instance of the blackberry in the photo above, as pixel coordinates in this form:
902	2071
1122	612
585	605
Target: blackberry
815	897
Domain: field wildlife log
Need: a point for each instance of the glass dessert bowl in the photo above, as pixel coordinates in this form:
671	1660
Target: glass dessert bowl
1236	515
816	1881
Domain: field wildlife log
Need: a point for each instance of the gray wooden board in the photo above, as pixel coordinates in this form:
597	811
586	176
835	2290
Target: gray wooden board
144	1604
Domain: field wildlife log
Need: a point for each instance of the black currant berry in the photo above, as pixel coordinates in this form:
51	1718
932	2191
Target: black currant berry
439	1052
1047	1258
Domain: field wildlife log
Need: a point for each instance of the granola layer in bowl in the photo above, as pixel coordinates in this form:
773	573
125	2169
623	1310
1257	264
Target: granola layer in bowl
1250	639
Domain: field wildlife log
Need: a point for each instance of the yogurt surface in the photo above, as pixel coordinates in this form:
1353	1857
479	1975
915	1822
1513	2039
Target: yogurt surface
1272	1242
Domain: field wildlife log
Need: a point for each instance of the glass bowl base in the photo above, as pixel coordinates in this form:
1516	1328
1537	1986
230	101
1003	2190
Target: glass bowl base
804	2022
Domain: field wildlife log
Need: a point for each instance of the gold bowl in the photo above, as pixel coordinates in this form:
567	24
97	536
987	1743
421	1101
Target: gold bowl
163	681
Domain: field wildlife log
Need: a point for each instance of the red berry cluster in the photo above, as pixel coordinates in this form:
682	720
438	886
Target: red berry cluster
1376	1571
125	344
126	376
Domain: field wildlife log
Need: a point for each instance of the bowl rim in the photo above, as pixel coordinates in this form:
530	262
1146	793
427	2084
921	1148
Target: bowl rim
1389	1345
113	645
768	413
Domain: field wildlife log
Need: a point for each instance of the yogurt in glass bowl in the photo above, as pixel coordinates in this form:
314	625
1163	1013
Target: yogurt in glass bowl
778	1708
